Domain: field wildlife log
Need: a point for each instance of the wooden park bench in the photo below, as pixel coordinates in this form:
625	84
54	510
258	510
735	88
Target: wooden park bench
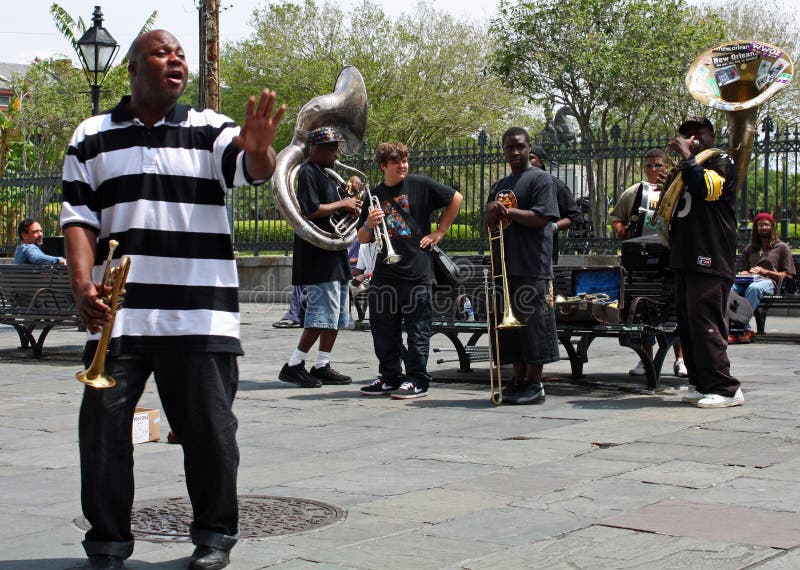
35	299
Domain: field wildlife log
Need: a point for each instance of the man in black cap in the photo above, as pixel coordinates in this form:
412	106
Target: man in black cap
325	274
568	211
703	256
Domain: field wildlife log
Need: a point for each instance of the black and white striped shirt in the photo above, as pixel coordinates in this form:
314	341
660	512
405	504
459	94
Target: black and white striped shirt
160	192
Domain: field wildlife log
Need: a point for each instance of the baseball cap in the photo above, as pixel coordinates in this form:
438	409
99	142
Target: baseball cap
695	122
324	135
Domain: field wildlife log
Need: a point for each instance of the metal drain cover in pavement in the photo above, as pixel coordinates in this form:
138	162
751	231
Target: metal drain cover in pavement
167	520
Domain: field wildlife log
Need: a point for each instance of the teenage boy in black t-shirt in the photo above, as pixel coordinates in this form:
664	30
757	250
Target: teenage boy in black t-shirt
325	274
400	293
526	200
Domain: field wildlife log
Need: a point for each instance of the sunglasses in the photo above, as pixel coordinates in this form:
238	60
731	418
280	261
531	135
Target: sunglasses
649	166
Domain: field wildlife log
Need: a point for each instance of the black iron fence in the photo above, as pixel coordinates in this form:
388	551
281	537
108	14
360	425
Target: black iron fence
596	172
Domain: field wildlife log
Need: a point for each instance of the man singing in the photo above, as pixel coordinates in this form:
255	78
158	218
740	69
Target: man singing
152	174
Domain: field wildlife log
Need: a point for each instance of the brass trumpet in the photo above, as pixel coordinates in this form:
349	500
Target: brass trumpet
114	277
493	325
381	232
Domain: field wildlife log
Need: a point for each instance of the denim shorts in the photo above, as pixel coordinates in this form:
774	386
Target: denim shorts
328	305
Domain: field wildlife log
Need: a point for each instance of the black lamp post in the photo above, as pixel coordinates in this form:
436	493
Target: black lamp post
97	49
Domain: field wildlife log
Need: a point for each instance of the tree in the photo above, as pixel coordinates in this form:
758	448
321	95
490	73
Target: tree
425	72
609	61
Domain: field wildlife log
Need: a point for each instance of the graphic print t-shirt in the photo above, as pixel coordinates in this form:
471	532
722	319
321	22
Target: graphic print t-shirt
419	196
528	250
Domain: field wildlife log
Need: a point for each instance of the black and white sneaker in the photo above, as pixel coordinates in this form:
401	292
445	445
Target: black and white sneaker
408	391
528	393
329	376
379	387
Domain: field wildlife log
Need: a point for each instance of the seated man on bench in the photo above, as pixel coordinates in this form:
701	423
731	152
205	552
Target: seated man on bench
29	251
766	261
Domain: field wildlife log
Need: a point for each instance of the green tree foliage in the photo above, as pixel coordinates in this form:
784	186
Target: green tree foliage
609	61
425	71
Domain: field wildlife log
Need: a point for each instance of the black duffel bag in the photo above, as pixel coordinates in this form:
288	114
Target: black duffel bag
644	251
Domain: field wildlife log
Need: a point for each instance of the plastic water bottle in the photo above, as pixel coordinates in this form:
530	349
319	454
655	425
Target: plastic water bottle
468	310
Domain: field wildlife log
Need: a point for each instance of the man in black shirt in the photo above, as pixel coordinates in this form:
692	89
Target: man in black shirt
325	274
525	202
568	211
703	255
400	293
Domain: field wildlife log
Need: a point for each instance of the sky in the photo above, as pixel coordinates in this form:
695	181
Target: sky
30	32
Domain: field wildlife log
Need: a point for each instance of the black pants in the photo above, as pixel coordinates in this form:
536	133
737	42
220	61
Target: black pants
702	304
392	308
197	392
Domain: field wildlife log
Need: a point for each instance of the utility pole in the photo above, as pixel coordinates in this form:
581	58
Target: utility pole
209	54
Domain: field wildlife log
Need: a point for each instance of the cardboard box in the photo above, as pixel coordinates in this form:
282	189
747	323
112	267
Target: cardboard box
146	425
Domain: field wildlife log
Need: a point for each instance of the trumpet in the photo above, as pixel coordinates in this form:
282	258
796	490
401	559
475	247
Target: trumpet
493	324
381	232
114	277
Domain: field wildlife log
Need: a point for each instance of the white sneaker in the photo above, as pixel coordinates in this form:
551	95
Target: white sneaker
692	396
637	370
680	368
717	401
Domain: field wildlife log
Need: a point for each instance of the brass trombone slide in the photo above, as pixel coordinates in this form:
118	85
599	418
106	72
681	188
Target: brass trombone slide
115	277
509	320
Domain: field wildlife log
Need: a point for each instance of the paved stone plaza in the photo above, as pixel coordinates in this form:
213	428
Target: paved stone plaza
597	477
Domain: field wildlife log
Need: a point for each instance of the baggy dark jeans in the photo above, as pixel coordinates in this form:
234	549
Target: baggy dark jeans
701	302
197	392
395	307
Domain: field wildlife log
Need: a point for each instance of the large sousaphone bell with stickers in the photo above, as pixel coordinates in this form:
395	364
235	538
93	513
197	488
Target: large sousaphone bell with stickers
736	78
346	111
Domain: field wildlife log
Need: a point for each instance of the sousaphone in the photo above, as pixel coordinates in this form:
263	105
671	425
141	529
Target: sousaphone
346	111
736	78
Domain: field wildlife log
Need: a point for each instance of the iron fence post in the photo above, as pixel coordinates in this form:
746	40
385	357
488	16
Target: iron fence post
482	161
767	129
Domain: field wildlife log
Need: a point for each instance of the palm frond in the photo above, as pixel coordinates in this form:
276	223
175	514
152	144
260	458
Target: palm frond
66	24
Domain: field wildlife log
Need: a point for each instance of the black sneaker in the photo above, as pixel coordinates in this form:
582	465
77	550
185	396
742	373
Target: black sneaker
509	390
329	376
530	392
408	391
379	387
297	375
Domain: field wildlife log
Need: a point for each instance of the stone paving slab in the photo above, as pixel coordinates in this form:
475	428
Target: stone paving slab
469	485
601	547
720	523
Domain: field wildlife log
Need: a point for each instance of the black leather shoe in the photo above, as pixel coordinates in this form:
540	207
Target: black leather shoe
103	562
209	558
297	374
329	376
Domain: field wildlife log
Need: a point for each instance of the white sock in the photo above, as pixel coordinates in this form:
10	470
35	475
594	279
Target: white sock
323	358
297	357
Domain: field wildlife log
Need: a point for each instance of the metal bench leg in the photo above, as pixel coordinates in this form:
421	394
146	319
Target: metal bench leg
39	344
652	372
26	339
463	358
577	357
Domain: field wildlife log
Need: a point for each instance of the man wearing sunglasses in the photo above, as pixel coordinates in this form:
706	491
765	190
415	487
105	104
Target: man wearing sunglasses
630	218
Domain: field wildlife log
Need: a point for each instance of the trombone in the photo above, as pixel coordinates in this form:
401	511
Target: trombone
115	277
493	325
381	232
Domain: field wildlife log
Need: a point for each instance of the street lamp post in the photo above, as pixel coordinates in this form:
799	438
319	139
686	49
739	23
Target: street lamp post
97	49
